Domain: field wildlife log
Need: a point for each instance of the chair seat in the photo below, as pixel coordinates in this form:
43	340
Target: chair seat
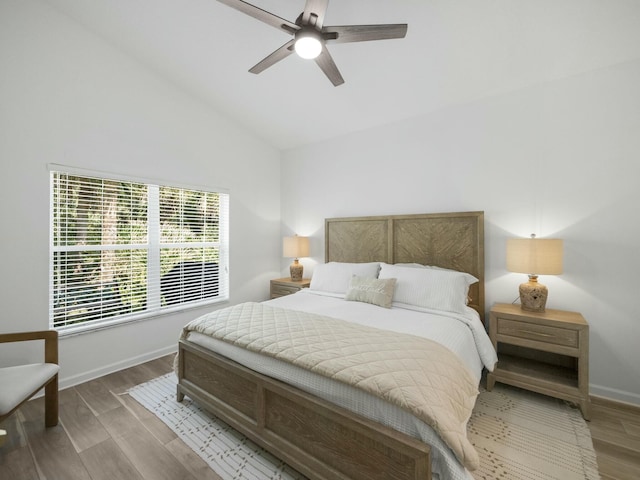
20	382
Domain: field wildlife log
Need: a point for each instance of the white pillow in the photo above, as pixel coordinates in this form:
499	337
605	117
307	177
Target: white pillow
434	288
334	277
419	265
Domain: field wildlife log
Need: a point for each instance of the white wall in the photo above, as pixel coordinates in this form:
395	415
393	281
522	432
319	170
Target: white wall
67	97
560	159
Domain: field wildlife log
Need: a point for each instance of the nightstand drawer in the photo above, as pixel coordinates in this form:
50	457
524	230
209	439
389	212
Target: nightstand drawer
537	332
282	290
285	286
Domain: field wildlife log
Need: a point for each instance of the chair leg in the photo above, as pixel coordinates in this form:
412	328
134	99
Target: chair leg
51	403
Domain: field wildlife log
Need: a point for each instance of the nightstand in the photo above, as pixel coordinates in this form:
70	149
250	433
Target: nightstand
544	352
285	286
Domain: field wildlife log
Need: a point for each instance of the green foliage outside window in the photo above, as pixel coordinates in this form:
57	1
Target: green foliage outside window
101	247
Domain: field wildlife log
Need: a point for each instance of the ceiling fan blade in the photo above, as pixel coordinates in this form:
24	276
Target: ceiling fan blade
364	33
328	66
314	11
262	15
283	52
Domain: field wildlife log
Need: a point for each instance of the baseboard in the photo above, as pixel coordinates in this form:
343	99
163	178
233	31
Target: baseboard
631	408
115	367
614	395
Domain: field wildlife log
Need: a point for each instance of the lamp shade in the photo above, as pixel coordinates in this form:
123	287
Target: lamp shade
295	247
536	256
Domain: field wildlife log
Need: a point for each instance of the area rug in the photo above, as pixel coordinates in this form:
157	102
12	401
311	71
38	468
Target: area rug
521	435
518	435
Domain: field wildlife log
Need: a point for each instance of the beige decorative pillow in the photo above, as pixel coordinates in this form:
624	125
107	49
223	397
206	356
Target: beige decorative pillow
371	290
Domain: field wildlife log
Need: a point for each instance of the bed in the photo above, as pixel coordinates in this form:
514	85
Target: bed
322	427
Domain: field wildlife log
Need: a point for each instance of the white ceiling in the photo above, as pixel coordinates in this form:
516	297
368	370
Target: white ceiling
455	51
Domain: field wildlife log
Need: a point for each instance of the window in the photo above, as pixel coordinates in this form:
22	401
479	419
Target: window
123	249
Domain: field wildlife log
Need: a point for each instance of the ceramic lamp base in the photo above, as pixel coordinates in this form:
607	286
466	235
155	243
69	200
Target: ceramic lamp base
296	271
533	296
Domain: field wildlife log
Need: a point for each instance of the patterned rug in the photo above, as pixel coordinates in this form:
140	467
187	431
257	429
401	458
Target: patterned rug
521	435
518	435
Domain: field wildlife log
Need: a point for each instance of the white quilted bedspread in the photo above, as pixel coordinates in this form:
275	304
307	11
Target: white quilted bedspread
417	374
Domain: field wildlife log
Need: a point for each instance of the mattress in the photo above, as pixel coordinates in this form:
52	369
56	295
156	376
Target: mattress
462	334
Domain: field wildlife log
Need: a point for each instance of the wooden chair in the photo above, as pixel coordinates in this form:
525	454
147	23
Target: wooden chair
19	383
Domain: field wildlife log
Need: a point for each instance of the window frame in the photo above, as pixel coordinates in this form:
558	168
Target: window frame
153	247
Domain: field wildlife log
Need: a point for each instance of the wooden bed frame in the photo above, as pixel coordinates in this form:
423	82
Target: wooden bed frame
319	439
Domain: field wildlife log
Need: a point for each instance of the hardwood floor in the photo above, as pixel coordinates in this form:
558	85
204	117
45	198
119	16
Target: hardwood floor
104	434
616	439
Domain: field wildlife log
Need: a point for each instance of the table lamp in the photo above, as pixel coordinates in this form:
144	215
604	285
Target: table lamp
295	247
534	256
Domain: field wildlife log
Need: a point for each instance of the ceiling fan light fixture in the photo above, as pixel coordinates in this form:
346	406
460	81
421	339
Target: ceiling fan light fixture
308	45
311	36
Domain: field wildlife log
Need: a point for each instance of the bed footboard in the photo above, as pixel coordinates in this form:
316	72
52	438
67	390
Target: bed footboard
317	438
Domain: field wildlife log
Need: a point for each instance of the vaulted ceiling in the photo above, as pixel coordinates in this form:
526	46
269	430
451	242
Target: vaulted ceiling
455	51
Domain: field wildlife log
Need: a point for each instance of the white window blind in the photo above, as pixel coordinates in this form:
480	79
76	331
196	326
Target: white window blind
124	249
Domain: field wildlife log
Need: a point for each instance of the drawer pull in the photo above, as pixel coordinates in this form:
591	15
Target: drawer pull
540	334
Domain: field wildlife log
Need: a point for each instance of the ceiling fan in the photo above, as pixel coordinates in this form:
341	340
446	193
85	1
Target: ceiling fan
310	36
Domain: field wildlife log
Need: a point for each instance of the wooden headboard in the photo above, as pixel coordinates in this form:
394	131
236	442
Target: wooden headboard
447	240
